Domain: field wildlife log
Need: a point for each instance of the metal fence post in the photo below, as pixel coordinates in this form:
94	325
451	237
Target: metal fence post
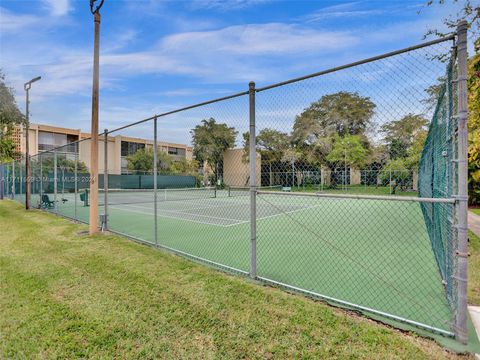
7	181
462	195
20	180
105	181
253	183
155	185
41	178
2	180
12	181
155	170
75	179
55	203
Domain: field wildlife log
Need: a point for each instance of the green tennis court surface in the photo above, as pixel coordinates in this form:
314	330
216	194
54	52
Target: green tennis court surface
376	254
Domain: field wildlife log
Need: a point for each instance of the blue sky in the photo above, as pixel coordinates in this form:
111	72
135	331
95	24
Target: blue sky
160	55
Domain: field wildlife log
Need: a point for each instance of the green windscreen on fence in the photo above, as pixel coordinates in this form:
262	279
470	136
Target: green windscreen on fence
436	175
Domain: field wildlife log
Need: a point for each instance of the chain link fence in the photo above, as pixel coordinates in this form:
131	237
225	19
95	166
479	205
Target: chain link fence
343	185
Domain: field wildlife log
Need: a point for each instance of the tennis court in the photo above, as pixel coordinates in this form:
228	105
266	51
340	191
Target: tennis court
336	248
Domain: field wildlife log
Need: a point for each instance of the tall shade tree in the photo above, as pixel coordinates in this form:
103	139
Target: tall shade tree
210	140
10	116
342	113
270	142
400	135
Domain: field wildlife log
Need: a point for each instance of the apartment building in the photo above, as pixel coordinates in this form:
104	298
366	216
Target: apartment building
46	137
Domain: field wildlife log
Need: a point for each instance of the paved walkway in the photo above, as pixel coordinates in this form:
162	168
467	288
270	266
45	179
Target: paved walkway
475	316
474	223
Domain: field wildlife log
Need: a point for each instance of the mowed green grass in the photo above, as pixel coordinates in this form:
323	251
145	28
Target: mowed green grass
355	189
64	295
376	254
475	210
473	269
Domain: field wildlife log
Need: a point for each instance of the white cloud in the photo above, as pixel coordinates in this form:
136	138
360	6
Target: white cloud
11	22
121	40
58	7
346	10
258	39
226	4
231	54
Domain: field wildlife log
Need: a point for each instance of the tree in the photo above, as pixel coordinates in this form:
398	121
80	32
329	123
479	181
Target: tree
470	12
47	163
185	166
474	130
210	140
342	113
291	156
142	161
10	116
271	144
396	174
433	93
401	134
348	150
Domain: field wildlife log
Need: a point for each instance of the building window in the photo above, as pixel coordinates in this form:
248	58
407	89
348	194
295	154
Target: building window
129	148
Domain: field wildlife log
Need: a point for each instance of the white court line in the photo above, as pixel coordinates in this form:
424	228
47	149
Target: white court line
184	213
287	212
235	221
160	208
171	217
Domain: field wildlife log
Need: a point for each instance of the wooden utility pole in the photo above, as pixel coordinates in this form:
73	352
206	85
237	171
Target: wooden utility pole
93	221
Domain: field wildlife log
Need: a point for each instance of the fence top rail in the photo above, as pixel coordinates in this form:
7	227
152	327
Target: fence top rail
360	62
180	110
360	197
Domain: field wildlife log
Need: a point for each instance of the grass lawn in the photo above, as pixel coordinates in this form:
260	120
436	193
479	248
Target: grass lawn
354	189
475	210
64	295
474	269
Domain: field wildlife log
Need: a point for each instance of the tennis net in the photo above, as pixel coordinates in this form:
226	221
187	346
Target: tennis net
139	196
245	191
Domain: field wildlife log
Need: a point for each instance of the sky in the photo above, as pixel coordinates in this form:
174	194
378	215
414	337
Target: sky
157	55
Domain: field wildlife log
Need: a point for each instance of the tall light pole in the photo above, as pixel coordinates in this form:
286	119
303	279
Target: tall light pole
27	87
93	223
